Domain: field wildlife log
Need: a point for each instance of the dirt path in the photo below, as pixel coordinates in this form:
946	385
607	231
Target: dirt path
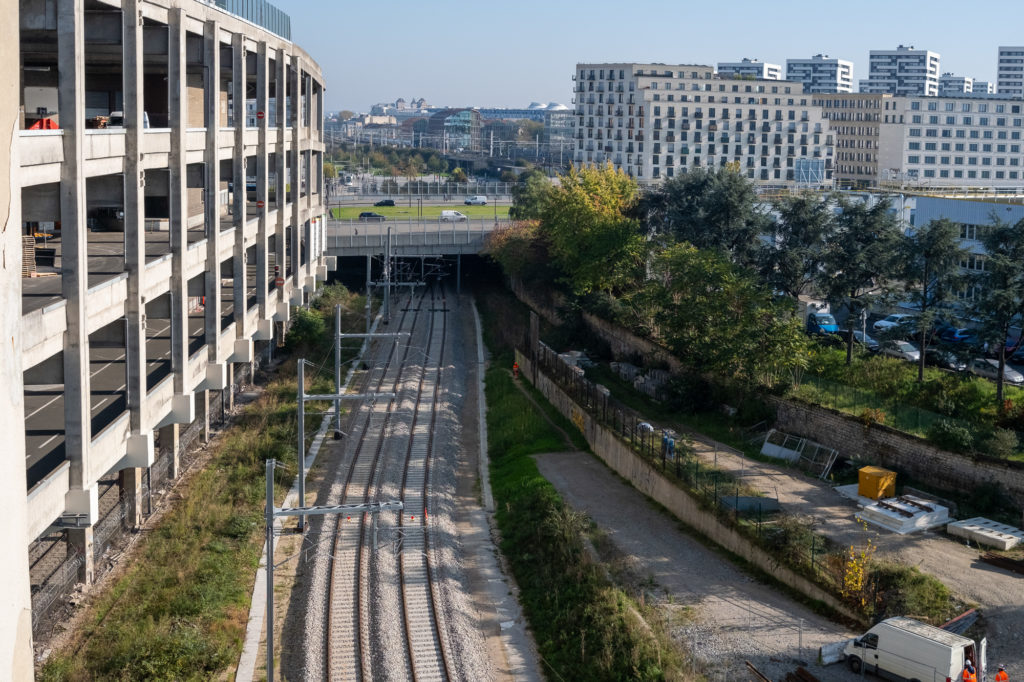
720	614
999	593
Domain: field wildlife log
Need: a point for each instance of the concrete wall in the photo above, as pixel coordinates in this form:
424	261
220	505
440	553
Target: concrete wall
15	601
890	448
649	481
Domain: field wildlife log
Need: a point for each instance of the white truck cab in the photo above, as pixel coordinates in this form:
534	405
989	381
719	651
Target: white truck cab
907	650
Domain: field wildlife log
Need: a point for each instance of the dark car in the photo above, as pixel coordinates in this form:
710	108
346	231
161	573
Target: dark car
959	335
385	202
370	216
945	359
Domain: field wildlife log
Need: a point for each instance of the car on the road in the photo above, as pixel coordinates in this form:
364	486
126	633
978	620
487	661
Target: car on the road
385	202
894	321
452	217
904	350
989	368
478	200
944	359
370	216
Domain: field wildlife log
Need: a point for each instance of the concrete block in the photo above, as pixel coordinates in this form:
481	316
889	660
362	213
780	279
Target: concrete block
321	273
242	351
85	502
882	514
183	411
310	285
216	377
332	263
296	298
140	452
986	532
283	311
264	330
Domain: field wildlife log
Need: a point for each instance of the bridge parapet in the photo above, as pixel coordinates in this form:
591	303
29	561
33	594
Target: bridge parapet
409	237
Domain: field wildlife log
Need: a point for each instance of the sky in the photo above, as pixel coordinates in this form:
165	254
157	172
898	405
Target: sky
509	54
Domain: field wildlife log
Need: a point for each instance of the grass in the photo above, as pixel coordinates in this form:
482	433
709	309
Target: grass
402	211
180	610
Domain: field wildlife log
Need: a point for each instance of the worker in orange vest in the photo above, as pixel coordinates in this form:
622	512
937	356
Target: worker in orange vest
515	370
1001	676
969	675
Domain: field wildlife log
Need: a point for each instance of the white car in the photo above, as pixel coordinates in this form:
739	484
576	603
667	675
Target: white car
477	200
896	320
904	350
989	368
453	217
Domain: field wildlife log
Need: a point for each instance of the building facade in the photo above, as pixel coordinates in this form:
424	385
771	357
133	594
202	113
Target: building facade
903	71
1010	71
821	74
456	129
750	68
163	236
951	85
655	121
856	120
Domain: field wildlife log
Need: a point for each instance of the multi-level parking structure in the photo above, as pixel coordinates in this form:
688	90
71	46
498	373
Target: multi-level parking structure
156	280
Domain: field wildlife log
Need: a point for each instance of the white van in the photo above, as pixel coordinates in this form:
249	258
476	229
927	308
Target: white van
452	216
478	200
905	649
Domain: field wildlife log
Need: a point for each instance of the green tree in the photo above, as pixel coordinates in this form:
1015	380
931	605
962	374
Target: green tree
330	170
592	241
1000	288
791	262
458	174
529	195
345	114
530	130
712	313
861	260
435	164
931	258
711	209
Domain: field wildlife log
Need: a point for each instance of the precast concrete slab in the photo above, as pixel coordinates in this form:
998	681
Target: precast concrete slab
905	514
986	532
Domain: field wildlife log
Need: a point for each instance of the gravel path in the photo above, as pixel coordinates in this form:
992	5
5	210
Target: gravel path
999	593
723	616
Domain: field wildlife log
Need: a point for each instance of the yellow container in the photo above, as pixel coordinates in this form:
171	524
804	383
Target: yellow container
876	483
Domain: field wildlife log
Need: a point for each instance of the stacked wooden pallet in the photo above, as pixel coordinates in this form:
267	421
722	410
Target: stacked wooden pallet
28	256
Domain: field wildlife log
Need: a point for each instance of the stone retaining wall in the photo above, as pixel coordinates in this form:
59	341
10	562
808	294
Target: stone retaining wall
649	481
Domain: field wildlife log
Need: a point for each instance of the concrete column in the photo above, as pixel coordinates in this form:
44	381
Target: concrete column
74	241
295	156
80	543
132	486
231	386
203	403
170	442
134	217
262	177
238	86
178	103
282	177
211	40
16	605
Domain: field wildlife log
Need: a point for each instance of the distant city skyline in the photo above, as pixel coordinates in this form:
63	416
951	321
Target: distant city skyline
509	55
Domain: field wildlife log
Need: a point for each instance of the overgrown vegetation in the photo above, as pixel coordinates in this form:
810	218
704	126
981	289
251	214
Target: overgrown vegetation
179	612
585	627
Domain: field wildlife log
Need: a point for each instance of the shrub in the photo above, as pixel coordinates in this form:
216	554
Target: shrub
871	415
1002	443
904	590
950	436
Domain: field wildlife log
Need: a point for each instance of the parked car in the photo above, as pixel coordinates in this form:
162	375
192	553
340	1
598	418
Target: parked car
116	119
897	320
478	200
821	323
370	216
904	350
989	368
385	202
960	335
865	340
944	359
452	216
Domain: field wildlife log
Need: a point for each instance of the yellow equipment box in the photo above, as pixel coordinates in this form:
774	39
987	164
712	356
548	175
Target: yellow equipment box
876	483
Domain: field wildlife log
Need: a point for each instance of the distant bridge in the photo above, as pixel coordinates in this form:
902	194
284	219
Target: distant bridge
410	237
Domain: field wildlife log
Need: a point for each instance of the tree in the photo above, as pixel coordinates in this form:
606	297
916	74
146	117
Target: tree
529	195
791	262
712	313
345	114
592	241
330	170
711	209
1000	286
530	130
458	174
861	260
931	273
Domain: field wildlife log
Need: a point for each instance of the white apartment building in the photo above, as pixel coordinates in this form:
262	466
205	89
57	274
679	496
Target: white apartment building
750	68
151	255
1010	71
984	87
940	141
820	74
655	121
902	72
951	85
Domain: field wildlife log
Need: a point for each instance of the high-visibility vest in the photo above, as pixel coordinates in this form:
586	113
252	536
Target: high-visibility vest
1001	676
968	676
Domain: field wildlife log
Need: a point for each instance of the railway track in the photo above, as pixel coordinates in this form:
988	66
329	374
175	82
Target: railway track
398	433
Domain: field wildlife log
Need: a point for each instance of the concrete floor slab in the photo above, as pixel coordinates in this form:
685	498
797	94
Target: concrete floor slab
987	532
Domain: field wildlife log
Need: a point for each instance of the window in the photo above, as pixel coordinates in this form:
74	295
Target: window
915	106
932	106
914	132
914	159
914	146
916	118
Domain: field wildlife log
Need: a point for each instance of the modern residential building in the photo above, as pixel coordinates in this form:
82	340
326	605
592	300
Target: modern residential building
984	87
750	68
456	129
821	74
1010	71
856	120
903	71
170	240
951	85
655	121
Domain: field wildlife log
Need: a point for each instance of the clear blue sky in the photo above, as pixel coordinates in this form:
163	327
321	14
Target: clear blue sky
507	54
